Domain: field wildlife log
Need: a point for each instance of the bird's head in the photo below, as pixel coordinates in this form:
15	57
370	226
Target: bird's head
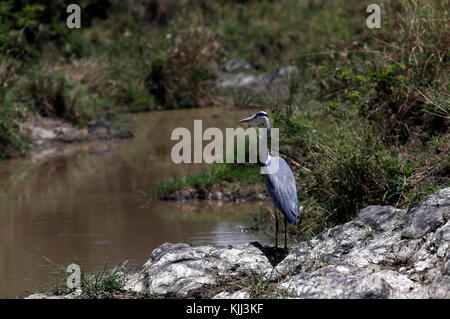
260	117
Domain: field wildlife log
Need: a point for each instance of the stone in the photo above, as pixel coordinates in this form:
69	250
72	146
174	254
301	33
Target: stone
235	65
426	216
47	132
260	197
41	135
288	71
368	257
240	294
328	283
177	269
237	76
217	196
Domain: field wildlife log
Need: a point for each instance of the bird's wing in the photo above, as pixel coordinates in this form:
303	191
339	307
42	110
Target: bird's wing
282	189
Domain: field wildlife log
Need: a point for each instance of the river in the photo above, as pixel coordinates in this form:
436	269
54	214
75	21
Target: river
83	203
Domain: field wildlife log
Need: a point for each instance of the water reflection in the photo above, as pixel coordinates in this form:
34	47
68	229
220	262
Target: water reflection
82	203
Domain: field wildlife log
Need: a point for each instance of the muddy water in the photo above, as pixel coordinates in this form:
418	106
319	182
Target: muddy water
83	203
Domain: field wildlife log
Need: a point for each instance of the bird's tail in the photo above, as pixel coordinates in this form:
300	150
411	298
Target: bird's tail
292	217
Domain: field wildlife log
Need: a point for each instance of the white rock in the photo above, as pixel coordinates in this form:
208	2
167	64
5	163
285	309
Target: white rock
240	294
340	262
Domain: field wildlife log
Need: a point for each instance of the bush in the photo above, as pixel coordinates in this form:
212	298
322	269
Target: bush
354	171
76	93
27	25
180	76
135	99
403	90
48	92
12	142
18	27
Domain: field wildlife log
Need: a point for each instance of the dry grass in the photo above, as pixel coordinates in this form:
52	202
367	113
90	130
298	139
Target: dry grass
182	74
410	81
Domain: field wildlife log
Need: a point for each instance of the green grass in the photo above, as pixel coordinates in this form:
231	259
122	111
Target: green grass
220	172
102	284
355	170
12	142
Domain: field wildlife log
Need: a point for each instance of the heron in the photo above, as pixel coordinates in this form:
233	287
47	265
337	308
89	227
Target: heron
280	182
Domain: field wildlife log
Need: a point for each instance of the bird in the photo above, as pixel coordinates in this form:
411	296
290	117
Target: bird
280	182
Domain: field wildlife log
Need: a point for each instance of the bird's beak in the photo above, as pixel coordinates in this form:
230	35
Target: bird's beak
248	119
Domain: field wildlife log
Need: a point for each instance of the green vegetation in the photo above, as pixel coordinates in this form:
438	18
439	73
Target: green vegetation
179	75
374	127
367	119
247	174
104	284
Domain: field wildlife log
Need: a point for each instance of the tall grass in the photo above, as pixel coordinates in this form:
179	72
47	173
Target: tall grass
354	171
403	89
12	142
102	284
368	122
375	131
181	75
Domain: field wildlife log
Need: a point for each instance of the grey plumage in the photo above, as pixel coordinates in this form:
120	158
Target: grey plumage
282	190
280	182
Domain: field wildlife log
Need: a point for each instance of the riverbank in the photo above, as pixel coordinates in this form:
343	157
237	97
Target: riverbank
363	113
227	182
363	124
84	202
384	252
48	132
360	124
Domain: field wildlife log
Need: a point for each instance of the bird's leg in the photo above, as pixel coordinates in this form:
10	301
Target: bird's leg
276	227
285	235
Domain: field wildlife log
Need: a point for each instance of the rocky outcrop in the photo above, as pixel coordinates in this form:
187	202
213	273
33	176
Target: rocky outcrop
191	193
53	131
238	74
384	252
178	269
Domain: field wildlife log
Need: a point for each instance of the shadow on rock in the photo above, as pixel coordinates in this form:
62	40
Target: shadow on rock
274	255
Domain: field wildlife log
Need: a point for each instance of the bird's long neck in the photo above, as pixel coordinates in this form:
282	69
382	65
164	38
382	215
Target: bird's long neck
264	141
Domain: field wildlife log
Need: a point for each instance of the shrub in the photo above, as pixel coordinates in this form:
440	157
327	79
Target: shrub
76	92
12	142
403	90
354	171
48	93
180	76
27	25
